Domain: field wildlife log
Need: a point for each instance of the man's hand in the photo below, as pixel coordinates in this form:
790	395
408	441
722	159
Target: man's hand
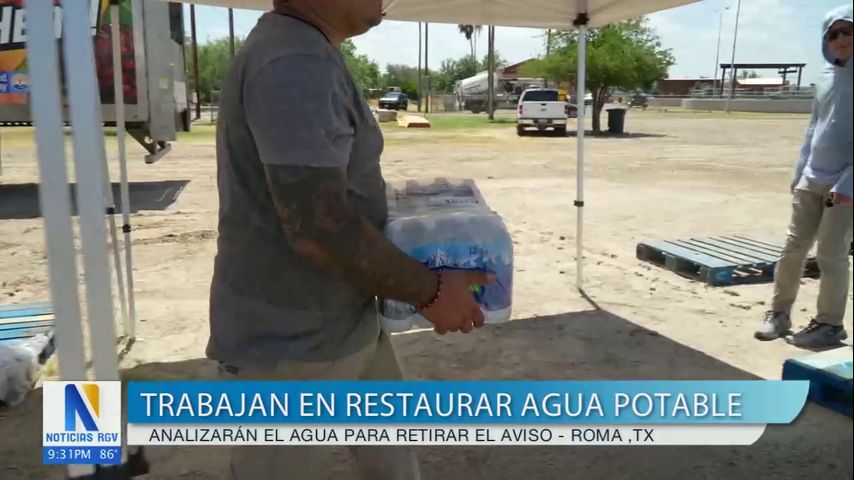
840	199
455	308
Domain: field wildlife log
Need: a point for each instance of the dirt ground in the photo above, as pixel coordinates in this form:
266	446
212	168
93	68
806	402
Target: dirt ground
677	174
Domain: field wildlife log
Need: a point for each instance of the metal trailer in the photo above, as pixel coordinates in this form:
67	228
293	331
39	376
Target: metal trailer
153	67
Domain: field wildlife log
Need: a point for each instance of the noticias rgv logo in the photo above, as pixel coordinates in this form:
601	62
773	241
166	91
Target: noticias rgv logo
76	407
82	413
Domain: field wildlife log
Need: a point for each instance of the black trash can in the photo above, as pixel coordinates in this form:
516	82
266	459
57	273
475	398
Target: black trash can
616	120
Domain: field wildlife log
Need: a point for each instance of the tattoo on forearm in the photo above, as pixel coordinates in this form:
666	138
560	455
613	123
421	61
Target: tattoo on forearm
320	224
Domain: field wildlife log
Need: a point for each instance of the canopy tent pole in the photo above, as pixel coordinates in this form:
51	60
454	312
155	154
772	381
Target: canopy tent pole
54	195
490	33
53	191
89	162
427	67
580	89
88	147
420	84
128	310
114	241
733	71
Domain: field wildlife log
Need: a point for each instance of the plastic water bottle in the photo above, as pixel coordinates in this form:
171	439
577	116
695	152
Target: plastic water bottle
446	225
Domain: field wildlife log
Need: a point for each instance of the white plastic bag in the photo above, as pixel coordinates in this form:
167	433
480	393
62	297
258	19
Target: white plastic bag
19	368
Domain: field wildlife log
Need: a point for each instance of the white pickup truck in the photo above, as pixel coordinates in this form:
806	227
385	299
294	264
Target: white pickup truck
541	108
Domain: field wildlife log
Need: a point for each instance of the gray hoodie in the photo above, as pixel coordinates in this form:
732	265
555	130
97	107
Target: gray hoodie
827	153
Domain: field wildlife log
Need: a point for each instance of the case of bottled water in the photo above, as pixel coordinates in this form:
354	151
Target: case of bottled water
446	224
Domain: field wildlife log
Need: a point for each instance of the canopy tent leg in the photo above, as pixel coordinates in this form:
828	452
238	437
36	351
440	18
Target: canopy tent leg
580	89
114	241
129	311
54	193
88	147
55	198
490	33
90	162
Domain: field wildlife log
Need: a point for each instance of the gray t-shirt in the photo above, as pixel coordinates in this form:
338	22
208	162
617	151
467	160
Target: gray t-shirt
288	100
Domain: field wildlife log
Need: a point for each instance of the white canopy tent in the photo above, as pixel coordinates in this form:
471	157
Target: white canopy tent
556	14
90	160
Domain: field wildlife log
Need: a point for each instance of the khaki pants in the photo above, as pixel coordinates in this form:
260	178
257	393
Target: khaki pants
280	462
831	227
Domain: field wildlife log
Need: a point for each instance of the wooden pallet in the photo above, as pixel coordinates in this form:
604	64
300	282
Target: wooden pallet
829	374
723	260
22	321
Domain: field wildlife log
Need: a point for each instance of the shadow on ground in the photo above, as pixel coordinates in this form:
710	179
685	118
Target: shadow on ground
21	201
580	345
617	136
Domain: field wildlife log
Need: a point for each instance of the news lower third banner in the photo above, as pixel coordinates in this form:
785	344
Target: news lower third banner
459	413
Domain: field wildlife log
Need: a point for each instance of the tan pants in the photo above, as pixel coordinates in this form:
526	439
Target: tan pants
831	227
279	462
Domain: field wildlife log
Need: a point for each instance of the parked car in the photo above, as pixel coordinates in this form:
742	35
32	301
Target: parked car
640	101
394	101
541	108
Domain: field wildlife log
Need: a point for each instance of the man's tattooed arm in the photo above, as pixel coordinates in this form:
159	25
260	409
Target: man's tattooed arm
320	224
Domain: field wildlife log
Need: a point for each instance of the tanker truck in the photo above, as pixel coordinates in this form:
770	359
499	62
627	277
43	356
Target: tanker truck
472	92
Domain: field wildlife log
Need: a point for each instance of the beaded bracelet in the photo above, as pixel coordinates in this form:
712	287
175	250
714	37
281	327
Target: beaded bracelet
435	296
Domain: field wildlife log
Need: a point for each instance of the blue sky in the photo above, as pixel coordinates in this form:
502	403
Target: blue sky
768	31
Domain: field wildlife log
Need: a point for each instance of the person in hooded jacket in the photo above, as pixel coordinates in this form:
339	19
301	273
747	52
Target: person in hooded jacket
821	201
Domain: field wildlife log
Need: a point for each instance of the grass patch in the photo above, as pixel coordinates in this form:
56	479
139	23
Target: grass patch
467	122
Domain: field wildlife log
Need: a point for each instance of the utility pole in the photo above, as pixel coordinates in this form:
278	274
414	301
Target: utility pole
732	61
548	49
427	66
420	81
198	81
491	74
231	30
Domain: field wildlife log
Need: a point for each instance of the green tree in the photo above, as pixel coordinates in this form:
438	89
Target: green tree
403	77
499	62
452	71
214	60
364	70
626	55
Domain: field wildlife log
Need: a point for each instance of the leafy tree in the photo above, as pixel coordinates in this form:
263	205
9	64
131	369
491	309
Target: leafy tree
365	71
499	62
214	60
452	71
403	77
626	55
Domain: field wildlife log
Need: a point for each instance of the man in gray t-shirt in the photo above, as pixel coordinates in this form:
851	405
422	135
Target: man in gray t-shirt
301	258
